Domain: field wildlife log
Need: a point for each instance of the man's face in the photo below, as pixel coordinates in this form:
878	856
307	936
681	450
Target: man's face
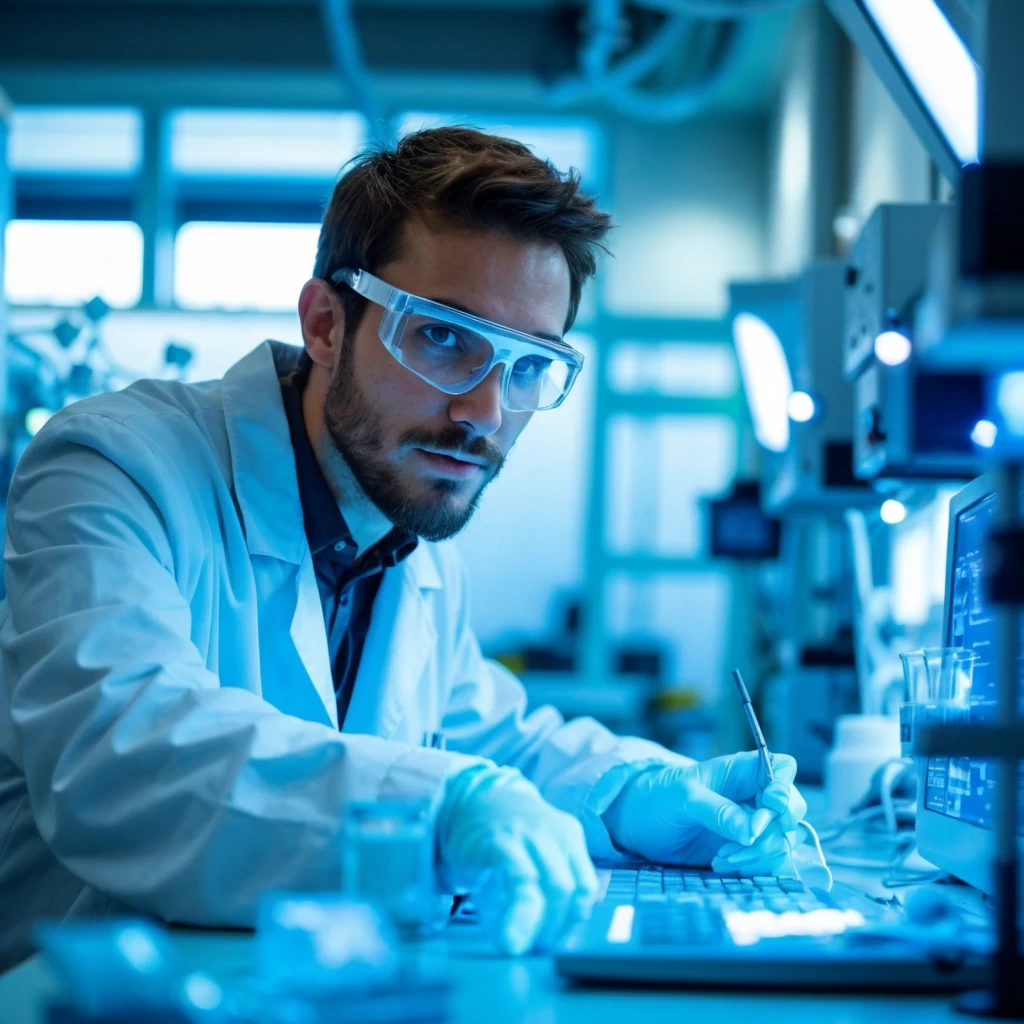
421	456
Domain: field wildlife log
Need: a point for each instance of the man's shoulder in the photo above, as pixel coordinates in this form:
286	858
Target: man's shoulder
162	425
147	406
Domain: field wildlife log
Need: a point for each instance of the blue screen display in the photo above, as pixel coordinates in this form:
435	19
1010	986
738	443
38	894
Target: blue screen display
962	787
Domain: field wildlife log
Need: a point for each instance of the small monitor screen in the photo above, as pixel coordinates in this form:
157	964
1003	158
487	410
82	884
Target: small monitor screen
962	787
739	529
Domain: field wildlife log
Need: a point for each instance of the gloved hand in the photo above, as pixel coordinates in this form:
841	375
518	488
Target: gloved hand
524	862
710	813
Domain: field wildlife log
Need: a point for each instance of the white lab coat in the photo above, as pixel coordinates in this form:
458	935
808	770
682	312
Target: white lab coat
168	728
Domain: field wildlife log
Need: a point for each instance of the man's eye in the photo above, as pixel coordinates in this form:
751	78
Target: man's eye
441	336
531	366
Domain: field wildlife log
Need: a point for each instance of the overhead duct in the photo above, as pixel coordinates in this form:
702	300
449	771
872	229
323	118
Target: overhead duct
617	84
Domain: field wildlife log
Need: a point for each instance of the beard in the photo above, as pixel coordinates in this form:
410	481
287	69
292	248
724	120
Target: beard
358	432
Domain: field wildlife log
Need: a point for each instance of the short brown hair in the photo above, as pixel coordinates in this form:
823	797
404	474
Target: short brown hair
468	177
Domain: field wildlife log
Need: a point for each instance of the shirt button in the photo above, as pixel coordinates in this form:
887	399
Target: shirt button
340	546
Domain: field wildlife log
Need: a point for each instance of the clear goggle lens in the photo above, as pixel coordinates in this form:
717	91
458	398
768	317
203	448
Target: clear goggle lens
456	359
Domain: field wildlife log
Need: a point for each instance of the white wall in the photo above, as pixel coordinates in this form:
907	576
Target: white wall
789	240
887	162
875	153
688	204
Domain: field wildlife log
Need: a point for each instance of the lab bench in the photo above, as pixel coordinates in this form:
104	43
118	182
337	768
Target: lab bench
490	989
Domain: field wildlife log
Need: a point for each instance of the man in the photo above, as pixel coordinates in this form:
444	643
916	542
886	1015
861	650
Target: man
228	614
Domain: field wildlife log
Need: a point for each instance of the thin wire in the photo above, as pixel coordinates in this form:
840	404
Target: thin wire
821	853
792	859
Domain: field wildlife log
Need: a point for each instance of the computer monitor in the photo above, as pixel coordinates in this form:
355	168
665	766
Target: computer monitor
954	820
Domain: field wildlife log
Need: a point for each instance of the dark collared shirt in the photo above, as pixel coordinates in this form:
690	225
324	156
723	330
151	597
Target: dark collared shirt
347	586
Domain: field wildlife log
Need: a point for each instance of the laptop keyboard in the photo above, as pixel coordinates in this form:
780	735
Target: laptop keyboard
629	885
681	906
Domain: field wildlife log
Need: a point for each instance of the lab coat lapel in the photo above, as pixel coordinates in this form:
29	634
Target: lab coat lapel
401	638
262	460
266	488
309	635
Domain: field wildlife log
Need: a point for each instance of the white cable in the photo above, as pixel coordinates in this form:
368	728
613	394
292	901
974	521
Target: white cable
890	773
792	859
821	853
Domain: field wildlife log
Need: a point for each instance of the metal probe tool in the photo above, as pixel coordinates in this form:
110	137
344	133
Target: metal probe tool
755	726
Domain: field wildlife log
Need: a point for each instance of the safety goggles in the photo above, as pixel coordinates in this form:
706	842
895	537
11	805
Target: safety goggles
455	351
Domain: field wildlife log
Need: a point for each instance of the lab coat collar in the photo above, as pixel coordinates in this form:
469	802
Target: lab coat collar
263	463
422	568
262	459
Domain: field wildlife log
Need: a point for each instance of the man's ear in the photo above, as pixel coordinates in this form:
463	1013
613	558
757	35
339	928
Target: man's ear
323	322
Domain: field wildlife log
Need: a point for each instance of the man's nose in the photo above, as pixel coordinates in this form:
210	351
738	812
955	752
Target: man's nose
480	409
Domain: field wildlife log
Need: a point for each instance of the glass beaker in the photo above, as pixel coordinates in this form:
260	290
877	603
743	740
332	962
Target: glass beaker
937	688
388	860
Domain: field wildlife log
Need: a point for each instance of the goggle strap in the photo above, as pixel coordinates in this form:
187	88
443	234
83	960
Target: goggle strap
365	284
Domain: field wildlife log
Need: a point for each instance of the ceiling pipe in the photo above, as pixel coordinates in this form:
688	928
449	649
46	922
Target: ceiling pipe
348	59
616	84
641	62
690	99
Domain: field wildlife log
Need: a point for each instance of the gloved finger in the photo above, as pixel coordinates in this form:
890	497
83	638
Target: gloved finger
587	885
557	882
781	796
795	813
781	864
510	900
717	813
778	794
772	843
760	820
776	797
740	774
784	769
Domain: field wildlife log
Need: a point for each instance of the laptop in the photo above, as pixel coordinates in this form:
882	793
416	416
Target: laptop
686	928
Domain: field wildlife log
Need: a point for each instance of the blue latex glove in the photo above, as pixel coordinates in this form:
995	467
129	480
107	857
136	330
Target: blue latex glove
524	862
710	813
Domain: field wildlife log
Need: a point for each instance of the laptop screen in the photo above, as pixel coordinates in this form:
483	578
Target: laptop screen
962	787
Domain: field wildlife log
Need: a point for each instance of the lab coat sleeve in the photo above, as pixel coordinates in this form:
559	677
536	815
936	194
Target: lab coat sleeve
149	777
580	766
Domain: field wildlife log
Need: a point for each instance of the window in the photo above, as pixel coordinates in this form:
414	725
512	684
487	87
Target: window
681	615
242	266
674	369
264	143
66	263
105	141
659	470
566	143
